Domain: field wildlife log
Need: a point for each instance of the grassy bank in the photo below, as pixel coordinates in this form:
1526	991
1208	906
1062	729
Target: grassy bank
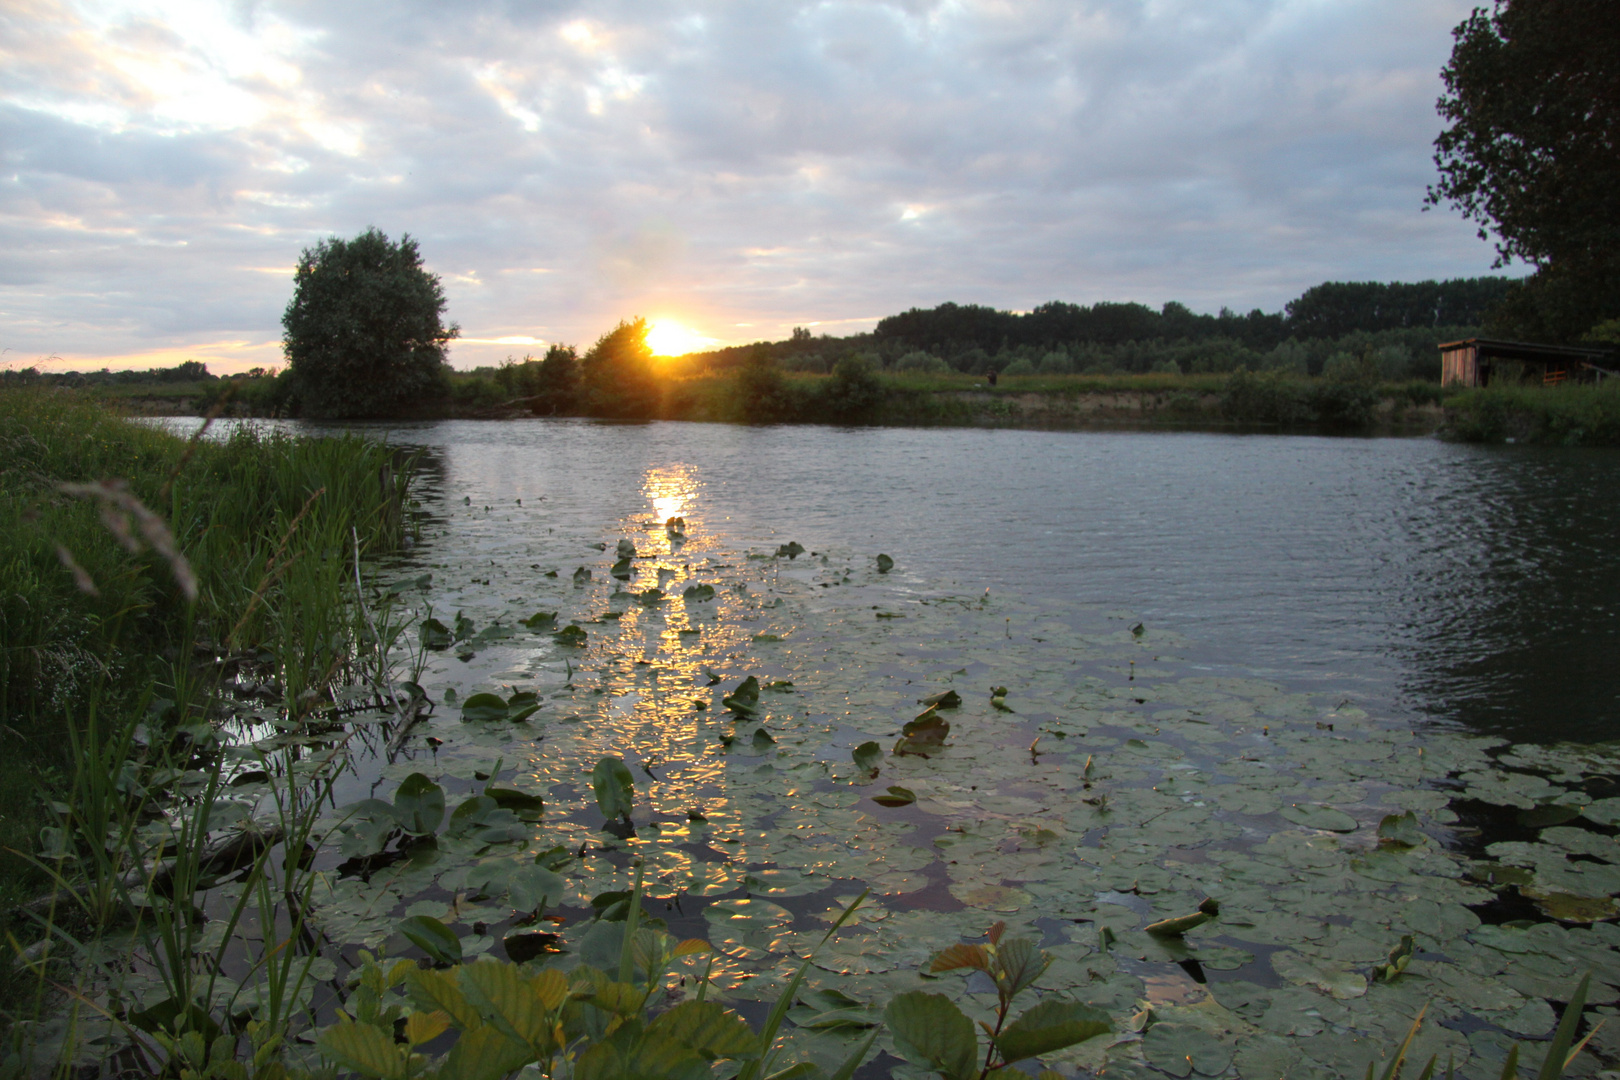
1553	415
137	572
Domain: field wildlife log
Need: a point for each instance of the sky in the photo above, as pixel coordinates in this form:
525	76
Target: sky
729	170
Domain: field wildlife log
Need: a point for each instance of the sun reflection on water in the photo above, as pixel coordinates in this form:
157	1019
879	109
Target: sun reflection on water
671	489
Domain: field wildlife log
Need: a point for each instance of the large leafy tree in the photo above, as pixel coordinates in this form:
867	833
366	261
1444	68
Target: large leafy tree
1532	154
363	332
620	375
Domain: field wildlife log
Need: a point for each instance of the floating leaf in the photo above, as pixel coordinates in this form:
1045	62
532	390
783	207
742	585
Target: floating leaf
1313	816
697	593
541	620
650	596
1567	907
1207	911
923	736
581	576
1181	1049
419	805
483	708
744	699
897	796
868	757
519	802
946	699
1399	957
435	635
792	550
432	937
614	787
570	635
884	564
625	550
533	888
1400	829
621	570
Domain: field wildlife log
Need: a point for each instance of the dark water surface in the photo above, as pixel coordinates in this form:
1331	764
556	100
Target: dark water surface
1462	585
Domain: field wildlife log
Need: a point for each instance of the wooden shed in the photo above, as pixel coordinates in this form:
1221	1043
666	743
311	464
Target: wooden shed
1476	361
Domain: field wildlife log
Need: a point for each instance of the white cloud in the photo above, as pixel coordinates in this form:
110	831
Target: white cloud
770	164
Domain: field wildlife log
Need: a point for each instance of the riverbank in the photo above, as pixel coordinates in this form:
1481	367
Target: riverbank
142	577
1241	401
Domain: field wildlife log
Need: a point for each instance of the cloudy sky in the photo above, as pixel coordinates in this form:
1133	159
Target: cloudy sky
736	168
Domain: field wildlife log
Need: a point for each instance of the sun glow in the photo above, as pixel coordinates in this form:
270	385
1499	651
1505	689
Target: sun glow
667	338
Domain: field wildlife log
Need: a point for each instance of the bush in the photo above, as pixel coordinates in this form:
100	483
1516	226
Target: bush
921	361
852	394
363	336
1270	397
1020	366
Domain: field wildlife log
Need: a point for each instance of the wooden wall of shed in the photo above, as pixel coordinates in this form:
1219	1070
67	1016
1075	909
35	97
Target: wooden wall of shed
1460	367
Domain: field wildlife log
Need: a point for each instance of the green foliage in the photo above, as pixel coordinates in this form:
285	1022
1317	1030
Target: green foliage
931	1031
853	393
1568	415
1528	155
363	335
620	376
615	788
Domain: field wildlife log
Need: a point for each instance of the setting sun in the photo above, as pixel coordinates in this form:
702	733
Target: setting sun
667	338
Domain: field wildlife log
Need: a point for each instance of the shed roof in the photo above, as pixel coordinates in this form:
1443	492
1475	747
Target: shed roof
1490	348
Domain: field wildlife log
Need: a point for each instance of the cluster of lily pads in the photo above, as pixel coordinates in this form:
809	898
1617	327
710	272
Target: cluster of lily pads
1241	878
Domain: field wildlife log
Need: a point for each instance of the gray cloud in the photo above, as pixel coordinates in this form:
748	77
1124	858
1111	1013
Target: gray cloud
568	164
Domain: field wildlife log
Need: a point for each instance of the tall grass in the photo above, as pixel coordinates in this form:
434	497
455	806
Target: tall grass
1568	415
110	672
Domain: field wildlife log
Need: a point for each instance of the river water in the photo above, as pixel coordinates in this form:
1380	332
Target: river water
1455	585
1241	667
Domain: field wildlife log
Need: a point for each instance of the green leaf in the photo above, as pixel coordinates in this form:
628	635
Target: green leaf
435	635
793	549
868	757
697	593
1400	829
924	736
519	802
614	787
707	1028
541	620
1325	818
521	705
485	1054
506	1001
1051	1025
532	888
483	708
897	796
744	699
570	635
621	570
419	805
929	1030
1021	963
1558	1054
432	937
436	990
365	1049
1168	928
1550	814
947	699
884	564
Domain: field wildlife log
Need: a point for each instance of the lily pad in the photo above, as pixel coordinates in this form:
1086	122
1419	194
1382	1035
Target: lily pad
698	593
884	564
1181	1049
924	736
744	699
419	805
1315	816
570	635
614	788
541	620
897	796
1400	829
868	757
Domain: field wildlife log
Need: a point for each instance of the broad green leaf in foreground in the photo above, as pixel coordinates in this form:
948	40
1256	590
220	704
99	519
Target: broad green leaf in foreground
929	1030
1049	1026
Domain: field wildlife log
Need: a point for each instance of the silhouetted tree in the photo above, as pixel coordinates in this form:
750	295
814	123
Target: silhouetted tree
363	336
